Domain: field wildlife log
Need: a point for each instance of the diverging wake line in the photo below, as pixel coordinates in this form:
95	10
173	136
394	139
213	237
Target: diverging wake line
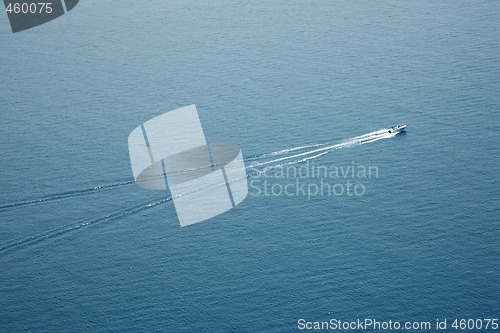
294	157
75	225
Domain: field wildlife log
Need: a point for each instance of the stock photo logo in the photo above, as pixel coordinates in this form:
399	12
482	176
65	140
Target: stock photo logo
26	14
205	180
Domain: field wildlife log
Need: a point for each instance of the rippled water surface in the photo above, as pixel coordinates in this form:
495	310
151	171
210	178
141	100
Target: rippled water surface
82	248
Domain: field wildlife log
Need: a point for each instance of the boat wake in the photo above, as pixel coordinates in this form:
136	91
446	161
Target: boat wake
75	225
261	164
325	149
69	194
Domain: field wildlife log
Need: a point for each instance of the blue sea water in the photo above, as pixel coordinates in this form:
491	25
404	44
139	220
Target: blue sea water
421	243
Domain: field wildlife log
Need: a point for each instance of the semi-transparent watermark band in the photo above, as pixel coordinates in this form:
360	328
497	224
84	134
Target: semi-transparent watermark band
312	180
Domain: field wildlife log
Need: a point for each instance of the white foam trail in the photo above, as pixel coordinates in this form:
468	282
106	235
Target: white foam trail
126	183
284	151
369	137
30	240
68	194
362	139
385	136
296	155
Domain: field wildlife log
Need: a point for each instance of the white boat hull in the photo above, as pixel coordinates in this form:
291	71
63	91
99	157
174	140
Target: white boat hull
397	129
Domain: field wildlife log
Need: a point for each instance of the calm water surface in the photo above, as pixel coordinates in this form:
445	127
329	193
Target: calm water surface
421	243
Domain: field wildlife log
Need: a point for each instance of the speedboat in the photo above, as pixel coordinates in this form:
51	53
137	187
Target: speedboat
397	129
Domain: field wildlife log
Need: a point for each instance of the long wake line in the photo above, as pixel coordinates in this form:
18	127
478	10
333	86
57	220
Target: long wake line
314	152
31	240
68	194
322	147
